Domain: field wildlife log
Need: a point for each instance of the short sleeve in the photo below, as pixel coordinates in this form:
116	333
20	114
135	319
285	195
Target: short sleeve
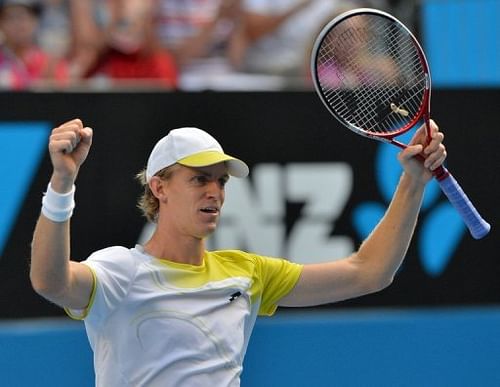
278	277
113	269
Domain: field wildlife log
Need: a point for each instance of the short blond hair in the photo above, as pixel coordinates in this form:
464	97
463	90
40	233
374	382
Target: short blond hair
148	203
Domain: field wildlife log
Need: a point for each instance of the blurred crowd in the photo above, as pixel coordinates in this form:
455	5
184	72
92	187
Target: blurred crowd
165	44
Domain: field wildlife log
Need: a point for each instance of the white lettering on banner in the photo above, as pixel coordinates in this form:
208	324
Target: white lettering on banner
254	214
253	217
325	189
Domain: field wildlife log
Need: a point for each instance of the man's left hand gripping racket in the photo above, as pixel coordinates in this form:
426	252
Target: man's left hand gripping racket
372	75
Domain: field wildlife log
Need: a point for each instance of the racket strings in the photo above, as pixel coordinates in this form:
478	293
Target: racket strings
370	73
383	90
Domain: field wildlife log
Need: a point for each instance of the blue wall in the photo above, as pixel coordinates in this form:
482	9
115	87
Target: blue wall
381	347
377	347
462	42
44	353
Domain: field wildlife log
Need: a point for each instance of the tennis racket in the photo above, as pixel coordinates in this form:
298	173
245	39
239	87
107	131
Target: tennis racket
372	75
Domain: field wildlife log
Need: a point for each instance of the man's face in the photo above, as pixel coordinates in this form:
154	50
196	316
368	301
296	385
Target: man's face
18	25
194	198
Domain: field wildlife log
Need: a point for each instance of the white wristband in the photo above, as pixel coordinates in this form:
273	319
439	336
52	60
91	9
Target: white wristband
56	206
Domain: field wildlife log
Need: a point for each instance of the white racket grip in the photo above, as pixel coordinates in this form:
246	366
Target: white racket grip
478	227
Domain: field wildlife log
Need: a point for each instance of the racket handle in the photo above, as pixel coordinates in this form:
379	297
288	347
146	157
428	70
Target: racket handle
478	227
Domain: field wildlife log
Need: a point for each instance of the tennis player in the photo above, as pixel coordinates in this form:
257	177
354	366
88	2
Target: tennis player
171	313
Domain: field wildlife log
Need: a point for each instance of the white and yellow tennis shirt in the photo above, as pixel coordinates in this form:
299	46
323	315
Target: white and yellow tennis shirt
154	322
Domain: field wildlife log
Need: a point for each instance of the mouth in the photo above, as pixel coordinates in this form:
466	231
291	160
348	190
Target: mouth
210	210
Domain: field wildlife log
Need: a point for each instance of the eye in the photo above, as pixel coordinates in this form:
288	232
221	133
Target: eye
200	179
223	180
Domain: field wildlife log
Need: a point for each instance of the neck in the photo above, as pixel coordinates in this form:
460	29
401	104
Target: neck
184	249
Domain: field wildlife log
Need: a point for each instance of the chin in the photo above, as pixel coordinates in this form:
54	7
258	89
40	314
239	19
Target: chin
205	233
211	230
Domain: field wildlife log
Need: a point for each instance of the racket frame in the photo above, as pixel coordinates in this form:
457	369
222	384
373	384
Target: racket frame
424	110
476	224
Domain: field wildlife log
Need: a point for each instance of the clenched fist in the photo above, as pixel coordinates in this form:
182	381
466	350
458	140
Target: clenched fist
69	145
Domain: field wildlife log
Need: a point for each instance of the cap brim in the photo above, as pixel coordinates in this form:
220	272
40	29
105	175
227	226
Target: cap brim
235	167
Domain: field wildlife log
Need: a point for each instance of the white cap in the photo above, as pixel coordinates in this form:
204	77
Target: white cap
191	147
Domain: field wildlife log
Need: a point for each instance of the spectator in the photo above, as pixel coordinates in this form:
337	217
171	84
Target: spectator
278	34
116	40
23	64
54	29
198	32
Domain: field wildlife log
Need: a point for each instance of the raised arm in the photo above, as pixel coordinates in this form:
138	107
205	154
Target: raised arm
374	265
53	275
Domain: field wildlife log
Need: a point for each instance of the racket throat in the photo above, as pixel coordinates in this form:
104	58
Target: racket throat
440	173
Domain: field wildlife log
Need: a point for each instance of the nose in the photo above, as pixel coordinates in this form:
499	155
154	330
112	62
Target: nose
215	190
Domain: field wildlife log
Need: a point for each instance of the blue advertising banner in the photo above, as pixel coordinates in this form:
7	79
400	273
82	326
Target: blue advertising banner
314	193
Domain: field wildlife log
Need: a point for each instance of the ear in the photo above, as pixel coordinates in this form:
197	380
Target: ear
158	188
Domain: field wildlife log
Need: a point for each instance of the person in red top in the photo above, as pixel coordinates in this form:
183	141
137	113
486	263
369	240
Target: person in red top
125	45
23	64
